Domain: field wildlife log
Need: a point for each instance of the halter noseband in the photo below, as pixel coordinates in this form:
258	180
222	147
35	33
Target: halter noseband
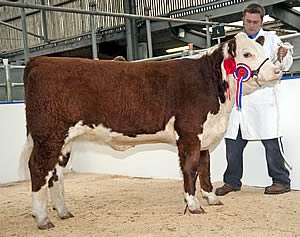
255	72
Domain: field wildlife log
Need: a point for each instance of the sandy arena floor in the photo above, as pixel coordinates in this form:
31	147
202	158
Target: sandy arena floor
106	205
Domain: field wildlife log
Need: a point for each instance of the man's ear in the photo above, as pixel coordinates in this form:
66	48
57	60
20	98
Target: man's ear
260	40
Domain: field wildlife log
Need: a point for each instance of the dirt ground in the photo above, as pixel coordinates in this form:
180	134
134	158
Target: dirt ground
105	205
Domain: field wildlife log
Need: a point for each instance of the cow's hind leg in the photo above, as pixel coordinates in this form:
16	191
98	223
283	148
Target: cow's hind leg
40	166
204	178
189	153
46	170
56	187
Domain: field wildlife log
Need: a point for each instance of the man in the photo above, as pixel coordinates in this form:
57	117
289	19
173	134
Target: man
258	118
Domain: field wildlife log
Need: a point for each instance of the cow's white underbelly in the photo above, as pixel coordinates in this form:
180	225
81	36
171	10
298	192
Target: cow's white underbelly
104	136
213	131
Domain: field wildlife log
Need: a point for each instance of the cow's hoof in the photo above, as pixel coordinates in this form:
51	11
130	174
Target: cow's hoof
197	211
67	216
46	226
219	203
216	202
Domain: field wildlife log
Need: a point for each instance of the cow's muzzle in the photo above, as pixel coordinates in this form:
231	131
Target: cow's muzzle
255	72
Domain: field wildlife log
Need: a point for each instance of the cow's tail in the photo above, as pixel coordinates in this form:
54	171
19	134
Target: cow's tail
25	155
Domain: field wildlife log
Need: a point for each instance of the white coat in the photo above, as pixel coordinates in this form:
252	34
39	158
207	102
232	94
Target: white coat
259	117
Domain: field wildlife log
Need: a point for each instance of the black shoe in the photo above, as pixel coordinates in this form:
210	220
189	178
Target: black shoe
277	188
226	188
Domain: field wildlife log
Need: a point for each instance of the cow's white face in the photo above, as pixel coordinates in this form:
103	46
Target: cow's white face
251	53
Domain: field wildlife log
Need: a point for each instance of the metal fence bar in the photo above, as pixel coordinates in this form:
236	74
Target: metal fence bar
7	79
44	22
19	29
149	36
285	37
173	55
25	35
92	6
17	84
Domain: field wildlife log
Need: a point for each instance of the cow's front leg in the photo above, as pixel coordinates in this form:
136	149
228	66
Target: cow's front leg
189	154
204	178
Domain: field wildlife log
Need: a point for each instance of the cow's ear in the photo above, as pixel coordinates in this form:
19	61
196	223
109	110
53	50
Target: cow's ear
260	40
232	48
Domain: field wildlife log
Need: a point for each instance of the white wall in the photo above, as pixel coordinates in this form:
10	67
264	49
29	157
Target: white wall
158	161
12	138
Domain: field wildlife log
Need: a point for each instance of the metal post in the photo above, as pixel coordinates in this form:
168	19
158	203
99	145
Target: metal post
191	49
92	6
208	40
25	37
131	32
134	32
7	80
149	37
44	22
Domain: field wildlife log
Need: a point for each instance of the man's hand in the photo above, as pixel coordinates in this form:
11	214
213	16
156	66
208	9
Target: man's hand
281	53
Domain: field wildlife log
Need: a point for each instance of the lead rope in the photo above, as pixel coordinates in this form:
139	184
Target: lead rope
283	155
255	72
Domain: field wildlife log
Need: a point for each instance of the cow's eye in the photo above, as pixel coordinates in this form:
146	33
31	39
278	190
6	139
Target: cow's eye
247	55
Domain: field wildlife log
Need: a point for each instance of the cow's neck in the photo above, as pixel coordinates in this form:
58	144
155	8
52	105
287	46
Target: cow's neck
214	60
230	93
218	54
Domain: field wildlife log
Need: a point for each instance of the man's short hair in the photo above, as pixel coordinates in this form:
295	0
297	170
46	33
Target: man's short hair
255	8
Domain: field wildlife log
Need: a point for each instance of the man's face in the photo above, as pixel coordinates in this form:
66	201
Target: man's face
252	23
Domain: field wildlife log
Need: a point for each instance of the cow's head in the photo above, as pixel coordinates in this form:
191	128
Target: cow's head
249	52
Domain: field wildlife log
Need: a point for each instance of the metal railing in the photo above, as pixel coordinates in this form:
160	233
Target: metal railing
11	76
11	82
170	6
58	23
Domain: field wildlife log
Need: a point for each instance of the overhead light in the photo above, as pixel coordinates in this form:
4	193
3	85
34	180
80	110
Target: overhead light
178	49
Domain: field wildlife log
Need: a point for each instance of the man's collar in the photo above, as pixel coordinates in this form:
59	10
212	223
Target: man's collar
255	36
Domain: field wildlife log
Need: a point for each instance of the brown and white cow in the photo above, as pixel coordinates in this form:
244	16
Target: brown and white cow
121	104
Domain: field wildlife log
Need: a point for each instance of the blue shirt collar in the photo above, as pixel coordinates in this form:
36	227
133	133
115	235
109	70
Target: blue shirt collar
253	36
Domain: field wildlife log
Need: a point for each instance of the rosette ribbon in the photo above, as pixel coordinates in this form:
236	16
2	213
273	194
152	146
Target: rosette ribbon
242	74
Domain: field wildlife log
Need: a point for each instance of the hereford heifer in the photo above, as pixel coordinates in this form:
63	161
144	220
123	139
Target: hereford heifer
122	104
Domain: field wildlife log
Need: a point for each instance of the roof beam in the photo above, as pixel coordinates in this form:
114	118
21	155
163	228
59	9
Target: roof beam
287	15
